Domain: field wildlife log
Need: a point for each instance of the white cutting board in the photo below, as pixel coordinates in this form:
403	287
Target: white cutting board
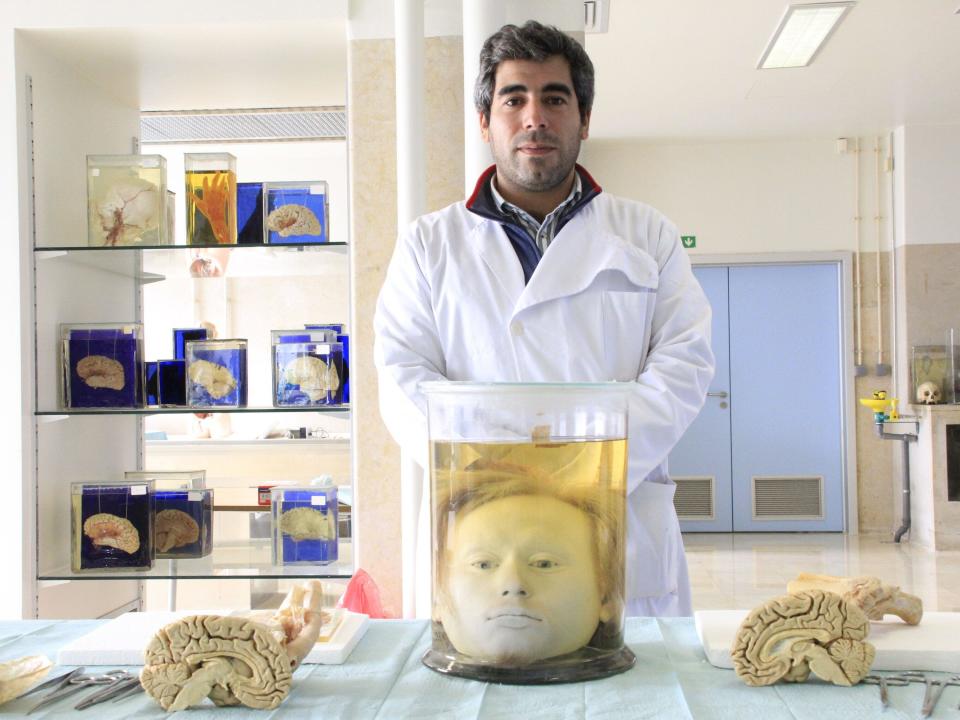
933	645
121	641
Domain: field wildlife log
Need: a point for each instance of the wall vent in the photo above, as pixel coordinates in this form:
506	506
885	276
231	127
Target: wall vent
788	498
693	499
253	125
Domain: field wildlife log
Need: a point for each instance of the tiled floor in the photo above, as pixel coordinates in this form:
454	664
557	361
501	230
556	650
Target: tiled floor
741	570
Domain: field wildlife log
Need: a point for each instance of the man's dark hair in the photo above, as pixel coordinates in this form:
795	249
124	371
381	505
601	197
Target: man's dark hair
537	42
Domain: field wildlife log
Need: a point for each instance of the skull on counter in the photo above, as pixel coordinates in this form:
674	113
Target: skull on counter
928	393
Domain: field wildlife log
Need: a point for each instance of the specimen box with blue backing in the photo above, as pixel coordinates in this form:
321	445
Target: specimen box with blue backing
126	200
150	370
102	365
181	336
217	373
304	523
183	520
112	525
307	373
172	383
295	213
250	213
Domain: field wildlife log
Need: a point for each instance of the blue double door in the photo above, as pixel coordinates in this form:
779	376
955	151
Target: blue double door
768	444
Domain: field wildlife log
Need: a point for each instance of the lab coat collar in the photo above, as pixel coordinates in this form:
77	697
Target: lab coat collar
481	202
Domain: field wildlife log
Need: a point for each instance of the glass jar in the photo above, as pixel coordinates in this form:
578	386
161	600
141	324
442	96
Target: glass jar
528	492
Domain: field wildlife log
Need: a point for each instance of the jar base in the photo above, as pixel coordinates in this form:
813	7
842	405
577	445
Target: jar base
568	671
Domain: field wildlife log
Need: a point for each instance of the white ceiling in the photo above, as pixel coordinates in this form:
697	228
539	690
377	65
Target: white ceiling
667	69
687	69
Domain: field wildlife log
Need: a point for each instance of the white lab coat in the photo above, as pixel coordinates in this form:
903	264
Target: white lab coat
613	298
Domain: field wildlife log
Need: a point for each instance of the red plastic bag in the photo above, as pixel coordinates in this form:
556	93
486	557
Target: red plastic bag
363	596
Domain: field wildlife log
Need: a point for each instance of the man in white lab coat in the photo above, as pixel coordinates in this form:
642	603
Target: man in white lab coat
541	277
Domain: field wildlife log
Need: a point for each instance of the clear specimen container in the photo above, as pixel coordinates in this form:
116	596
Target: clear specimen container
101	365
304	521
307	369
217	373
126	200
183	512
211	187
528	491
112	525
295	212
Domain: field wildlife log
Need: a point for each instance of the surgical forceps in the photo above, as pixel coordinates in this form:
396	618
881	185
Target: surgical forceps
78	683
885	681
934	689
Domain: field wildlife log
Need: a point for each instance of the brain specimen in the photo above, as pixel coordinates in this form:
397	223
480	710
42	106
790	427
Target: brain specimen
215	378
293	219
787	637
305	523
99	371
867	592
112	531
173	529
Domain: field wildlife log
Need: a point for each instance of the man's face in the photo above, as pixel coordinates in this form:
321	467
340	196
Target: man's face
534	128
522	581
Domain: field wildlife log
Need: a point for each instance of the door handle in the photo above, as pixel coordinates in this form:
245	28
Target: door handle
721	394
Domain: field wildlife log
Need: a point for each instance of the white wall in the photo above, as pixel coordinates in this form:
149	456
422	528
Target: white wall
928	184
739	197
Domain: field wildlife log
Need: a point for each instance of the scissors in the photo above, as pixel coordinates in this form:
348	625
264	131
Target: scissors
885	681
80	682
55	683
117	691
934	689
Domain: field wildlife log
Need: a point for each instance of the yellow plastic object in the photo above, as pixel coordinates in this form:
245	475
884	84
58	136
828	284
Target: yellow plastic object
878	405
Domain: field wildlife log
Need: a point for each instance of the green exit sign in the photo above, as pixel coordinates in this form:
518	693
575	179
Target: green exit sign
689	241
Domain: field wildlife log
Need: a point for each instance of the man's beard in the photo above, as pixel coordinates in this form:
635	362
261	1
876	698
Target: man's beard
530	173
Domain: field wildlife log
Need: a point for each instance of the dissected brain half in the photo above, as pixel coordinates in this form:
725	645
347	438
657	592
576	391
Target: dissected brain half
113	531
305	523
293	219
867	592
231	660
173	529
313	376
787	637
216	379
99	371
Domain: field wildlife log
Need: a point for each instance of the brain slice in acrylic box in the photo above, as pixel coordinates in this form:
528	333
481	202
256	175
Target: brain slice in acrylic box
296	212
217	373
183	519
304	525
211	187
101	365
112	526
126	200
307	369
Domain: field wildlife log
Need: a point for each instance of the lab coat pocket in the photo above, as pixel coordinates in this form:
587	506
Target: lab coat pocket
626	331
654	543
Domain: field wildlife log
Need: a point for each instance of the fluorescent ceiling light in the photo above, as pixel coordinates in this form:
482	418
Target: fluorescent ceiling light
801	33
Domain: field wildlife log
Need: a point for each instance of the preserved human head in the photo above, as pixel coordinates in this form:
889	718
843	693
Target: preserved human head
526	573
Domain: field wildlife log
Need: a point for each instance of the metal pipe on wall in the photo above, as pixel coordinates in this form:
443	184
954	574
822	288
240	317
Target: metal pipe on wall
857	270
882	367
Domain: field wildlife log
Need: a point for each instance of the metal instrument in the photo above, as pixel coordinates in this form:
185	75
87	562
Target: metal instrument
55	682
78	683
117	691
884	682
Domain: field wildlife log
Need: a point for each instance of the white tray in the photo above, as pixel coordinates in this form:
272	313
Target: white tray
121	641
933	645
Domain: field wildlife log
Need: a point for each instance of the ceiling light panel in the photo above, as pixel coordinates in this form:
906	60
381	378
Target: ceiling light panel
802	32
